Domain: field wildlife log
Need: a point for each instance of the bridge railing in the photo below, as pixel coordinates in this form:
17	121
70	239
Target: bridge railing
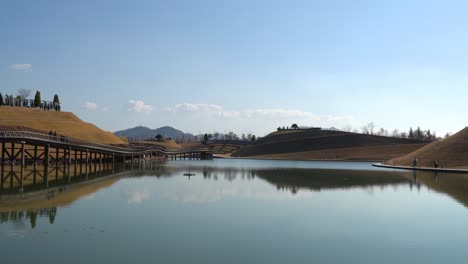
63	140
28	135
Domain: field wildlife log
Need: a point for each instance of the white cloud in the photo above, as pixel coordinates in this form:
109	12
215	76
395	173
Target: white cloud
271	114
21	67
137	197
91	106
139	106
257	120
189	107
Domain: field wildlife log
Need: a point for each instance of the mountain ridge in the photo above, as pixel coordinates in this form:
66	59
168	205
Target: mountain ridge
144	133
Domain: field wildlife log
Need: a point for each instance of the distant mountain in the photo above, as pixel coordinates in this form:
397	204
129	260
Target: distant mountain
142	133
139	132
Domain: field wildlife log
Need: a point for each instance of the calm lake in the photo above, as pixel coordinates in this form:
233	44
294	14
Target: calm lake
242	211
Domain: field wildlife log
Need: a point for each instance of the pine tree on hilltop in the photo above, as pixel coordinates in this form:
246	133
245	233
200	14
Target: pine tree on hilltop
56	99
37	99
419	134
410	133
1	99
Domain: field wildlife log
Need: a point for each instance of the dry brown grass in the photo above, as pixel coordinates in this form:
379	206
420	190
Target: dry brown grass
358	153
168	144
450	153
65	123
315	144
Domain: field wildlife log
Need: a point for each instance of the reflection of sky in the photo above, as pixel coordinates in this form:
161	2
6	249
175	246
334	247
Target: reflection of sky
237	218
200	190
135	194
272	164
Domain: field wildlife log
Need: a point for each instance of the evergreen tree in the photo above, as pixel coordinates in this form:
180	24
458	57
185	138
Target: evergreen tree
253	138
410	133
1	99
419	133
37	99
11	100
56	99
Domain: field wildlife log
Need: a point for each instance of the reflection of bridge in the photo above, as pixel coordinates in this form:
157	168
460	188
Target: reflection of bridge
23	146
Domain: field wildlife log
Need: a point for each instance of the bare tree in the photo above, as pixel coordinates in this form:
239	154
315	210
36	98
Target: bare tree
395	133
24	93
382	132
347	128
368	129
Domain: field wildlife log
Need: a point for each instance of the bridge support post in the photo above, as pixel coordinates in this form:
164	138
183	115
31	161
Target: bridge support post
95	163
34	164
69	162
87	164
2	171
81	163
57	152
46	165
22	166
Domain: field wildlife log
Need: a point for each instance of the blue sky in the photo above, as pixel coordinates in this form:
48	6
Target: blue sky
245	66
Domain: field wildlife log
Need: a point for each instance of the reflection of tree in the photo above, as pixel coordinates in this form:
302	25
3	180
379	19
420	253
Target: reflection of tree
32	215
317	179
52	215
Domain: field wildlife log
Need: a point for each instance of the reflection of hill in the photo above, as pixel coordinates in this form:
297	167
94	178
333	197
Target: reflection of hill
62	193
329	179
56	196
452	184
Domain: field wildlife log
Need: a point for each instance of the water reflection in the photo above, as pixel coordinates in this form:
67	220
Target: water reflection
19	216
44	200
454	185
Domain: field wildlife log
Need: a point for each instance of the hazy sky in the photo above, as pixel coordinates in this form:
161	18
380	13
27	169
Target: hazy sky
246	66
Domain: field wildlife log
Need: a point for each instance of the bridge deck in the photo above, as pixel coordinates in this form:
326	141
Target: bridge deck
26	136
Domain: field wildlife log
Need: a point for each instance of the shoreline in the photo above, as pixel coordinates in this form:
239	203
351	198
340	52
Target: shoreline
380	165
256	158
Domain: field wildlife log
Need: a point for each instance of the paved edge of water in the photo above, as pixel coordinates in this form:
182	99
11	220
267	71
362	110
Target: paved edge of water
419	168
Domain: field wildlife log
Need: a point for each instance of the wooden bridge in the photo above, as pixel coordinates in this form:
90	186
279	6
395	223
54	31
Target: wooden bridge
22	146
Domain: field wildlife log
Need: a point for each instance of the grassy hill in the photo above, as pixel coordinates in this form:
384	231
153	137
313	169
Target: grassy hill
65	123
450	153
308	144
168	144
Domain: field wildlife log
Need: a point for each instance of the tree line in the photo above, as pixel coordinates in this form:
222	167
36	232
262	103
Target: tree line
418	133
229	136
22	95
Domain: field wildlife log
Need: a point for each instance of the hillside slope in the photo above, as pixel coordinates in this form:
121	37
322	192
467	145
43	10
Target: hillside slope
65	123
325	144
450	153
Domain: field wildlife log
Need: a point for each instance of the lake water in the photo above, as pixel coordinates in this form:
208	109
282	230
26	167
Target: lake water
243	211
